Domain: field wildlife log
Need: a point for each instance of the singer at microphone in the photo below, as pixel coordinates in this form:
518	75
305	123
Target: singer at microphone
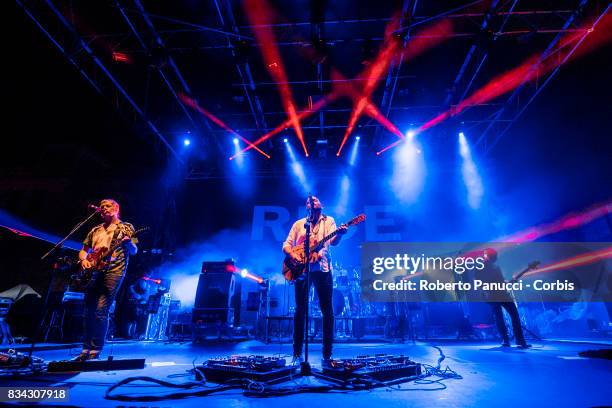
320	274
94	207
102	287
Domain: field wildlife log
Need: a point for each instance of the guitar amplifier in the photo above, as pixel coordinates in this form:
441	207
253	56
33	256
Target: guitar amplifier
209	316
215	290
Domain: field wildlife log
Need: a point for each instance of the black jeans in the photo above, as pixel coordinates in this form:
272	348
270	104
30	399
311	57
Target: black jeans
98	300
323	284
501	324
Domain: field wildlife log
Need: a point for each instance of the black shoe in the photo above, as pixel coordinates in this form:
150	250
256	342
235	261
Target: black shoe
523	346
297	359
326	362
94	355
83	356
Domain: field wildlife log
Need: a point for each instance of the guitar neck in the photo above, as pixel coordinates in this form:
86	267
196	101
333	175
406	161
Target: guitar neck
113	248
319	245
521	273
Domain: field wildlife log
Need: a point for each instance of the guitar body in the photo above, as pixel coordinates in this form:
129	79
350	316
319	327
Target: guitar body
292	270
86	277
99	259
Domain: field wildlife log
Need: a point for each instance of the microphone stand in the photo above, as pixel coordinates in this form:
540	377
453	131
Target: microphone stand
305	368
46	301
72	231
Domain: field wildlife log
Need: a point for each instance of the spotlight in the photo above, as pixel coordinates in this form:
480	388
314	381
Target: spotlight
285	140
235	140
186	142
410	134
244	273
358	138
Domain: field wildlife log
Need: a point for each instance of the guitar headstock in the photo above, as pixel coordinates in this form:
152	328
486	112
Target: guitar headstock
141	230
357	220
533	265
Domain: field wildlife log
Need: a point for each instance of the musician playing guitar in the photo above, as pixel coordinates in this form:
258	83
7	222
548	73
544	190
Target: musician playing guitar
320	274
503	300
101	292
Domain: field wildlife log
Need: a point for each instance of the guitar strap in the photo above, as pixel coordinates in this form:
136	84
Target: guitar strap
118	230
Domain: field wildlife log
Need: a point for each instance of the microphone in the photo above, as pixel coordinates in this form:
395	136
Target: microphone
94	207
310	208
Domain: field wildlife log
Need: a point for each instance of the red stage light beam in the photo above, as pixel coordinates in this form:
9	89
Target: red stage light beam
256	278
377	69
341	88
318	105
529	70
259	15
424	40
194	105
578	260
349	90
569	221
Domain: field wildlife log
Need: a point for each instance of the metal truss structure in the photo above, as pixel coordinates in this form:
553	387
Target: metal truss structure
145	56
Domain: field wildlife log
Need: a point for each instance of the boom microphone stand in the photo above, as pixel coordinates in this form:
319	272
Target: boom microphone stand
56	246
305	369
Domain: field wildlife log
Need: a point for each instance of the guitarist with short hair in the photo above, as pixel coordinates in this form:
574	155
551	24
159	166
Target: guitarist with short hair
101	291
320	273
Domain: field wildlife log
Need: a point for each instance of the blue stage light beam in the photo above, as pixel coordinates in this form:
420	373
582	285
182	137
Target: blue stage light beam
354	150
297	169
409	172
239	156
469	171
342	205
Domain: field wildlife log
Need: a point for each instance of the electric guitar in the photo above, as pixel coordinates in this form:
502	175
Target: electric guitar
293	269
531	266
99	260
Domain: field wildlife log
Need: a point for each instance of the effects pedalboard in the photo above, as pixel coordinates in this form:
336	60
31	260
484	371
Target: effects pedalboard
256	368
381	367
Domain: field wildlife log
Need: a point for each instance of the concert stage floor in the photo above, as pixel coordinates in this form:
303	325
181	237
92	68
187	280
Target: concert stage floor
550	374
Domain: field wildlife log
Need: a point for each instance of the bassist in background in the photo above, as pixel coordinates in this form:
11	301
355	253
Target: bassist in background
502	299
102	290
320	274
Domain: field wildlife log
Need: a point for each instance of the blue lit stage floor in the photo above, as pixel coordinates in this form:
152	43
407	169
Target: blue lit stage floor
549	375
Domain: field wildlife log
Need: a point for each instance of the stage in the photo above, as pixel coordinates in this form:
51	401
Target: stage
549	374
201	186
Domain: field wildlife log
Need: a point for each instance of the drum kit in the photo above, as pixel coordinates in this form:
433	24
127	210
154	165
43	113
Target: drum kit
346	298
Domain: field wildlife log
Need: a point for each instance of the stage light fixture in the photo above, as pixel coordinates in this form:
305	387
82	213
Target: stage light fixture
186	142
285	140
235	140
244	273
358	138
